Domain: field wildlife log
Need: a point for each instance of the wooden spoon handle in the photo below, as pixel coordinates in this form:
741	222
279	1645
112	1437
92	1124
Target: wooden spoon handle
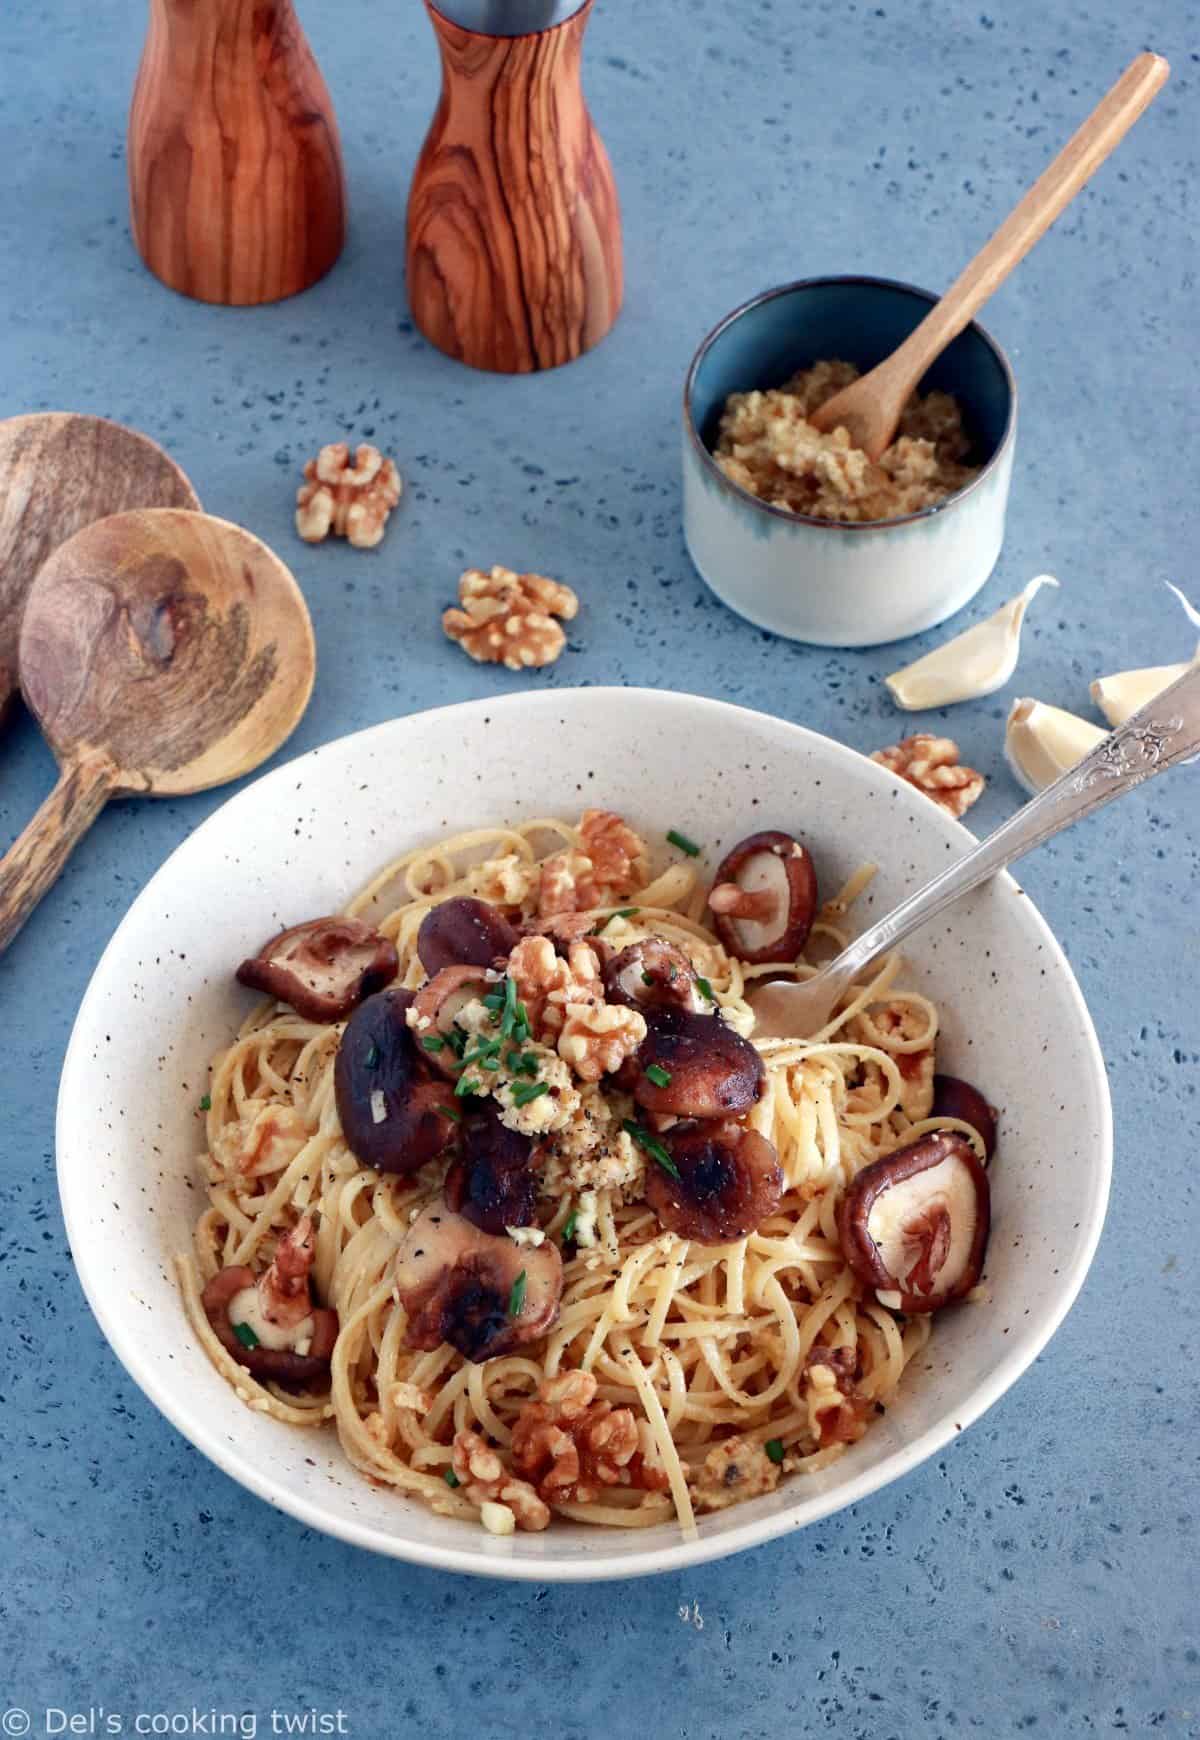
1050	194
34	860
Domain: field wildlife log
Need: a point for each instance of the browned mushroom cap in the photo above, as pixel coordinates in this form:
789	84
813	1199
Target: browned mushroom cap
651	974
710	1071
914	1225
465	1287
464	933
281	1364
494	1183
438	1002
395	1114
729	1182
954	1098
764	897
323	968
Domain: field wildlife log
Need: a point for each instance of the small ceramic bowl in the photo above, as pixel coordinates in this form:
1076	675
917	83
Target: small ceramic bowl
824	581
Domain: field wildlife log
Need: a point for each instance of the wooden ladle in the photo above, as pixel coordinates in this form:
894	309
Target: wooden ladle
870	407
59	471
161	652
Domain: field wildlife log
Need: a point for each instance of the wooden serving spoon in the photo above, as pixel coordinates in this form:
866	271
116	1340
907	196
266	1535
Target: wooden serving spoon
59	471
870	407
161	652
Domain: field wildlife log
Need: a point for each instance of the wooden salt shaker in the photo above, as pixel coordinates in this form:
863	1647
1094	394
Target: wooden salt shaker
514	233
235	167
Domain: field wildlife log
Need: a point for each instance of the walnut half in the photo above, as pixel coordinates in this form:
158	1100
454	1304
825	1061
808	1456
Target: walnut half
570	1446
932	765
352	501
509	619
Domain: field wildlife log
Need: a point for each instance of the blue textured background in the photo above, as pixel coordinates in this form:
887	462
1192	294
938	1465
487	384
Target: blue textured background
1042	1574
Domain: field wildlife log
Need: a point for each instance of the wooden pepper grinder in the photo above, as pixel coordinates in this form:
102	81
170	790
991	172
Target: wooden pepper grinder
514	233
235	167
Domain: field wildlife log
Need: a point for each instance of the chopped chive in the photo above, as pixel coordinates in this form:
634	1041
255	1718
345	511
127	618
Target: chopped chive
517	1297
675	838
647	978
372	1058
520	1032
453	1113
705	989
509	1016
490	1063
527	1091
487	1048
245	1335
432	1042
467	1085
451	1478
653	1147
774	1449
569	1229
206	1103
658	1075
494	1001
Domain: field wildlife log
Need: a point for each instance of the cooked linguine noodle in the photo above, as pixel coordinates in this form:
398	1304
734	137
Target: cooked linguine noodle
762	1357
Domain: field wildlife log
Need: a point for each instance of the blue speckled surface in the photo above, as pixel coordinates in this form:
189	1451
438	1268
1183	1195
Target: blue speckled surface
1042	1575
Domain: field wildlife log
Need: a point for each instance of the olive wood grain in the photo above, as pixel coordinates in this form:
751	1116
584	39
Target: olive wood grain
514	231
59	471
235	167
870	407
161	652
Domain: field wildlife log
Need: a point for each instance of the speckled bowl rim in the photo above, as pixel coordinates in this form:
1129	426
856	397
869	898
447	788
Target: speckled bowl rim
755	502
135	1353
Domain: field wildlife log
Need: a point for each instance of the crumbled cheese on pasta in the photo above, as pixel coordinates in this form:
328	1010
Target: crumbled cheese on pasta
378	1106
593	1153
585	1220
527	1237
475	1017
497	1519
505	881
549	1112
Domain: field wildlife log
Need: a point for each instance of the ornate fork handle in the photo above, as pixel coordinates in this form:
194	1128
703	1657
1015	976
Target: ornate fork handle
1161	734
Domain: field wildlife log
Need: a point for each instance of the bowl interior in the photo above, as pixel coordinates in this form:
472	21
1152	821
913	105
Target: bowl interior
858	320
302	839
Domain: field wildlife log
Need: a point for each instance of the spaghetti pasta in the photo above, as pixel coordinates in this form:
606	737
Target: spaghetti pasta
764	1356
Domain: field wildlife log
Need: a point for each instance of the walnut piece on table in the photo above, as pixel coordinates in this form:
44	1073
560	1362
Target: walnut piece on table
932	765
509	619
571	1446
351	500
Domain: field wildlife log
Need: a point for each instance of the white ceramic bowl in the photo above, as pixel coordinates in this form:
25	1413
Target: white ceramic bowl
822	581
302	839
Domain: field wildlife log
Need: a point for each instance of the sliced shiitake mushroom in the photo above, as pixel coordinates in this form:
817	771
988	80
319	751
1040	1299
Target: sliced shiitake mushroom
479	1293
955	1098
464	932
438	1002
914	1225
695	1066
729	1181
652	974
283	1365
764	897
493	1183
395	1113
323	968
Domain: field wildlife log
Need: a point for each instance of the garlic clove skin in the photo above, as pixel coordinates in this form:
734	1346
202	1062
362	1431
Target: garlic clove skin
1120	696
1042	742
975	663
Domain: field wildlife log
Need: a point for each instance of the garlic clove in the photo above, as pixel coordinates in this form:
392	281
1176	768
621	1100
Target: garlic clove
975	663
1042	742
1120	696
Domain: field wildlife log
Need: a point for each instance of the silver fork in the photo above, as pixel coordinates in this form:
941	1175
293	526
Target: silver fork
1162	733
